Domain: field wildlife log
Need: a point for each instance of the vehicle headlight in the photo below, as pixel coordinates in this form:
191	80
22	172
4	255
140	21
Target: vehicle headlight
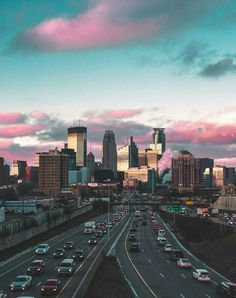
54	290
59	270
70	269
42	289
38	269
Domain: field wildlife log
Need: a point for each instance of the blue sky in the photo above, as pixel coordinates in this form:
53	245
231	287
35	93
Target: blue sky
174	60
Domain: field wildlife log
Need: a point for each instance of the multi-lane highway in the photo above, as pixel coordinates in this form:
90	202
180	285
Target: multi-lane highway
18	264
151	272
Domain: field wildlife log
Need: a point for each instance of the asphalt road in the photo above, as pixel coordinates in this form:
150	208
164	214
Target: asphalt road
151	273
18	264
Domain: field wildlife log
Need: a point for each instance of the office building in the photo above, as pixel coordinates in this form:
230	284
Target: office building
2	171
219	176
7	170
206	172
77	140
32	175
109	159
149	158
127	156
79	176
71	157
53	172
91	163
158	141
19	170
185	171
36	158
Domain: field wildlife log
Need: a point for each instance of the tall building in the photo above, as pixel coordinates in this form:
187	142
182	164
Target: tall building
19	169
158	140
127	156
71	157
109	159
7	170
32	175
1	171
36	158
185	171
91	163
206	172
53	172
149	158
77	140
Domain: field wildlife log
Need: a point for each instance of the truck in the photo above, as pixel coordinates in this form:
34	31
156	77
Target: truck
203	212
89	227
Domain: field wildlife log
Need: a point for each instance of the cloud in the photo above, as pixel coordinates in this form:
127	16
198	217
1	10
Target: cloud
112	114
228	162
11	118
109	23
222	67
16	130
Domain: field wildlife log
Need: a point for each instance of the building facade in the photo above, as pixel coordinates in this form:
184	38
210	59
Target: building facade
53	172
91	163
2	178
158	140
127	156
19	169
109	157
206	172
32	175
185	171
77	140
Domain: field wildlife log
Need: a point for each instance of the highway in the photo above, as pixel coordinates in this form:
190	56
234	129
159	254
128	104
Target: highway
18	264
151	273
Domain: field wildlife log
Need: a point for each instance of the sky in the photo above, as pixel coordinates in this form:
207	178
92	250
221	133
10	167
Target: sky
127	65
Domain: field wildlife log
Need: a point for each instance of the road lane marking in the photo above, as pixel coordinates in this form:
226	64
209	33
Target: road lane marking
162	275
181	295
208	296
183	275
168	261
38	284
149	260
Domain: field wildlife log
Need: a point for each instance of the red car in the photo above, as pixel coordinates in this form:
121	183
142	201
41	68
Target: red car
52	286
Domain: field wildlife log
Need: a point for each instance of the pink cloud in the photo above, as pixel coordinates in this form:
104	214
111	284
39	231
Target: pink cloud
17	130
38	115
124	113
201	132
228	162
5	143
10	118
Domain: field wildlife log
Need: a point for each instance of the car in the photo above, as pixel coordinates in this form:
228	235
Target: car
99	233
161	233
201	275
176	254
36	267
78	255
132	237
162	241
51	286
134	247
42	249
21	283
68	245
167	248
184	263
59	253
133	228
92	241
67	267
227	289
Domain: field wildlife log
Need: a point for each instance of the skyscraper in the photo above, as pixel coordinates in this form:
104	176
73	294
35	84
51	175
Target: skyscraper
109	159
127	156
77	140
53	172
91	163
158	140
185	171
19	169
1	171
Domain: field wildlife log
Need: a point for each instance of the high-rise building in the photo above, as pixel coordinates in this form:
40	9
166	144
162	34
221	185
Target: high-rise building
127	156
185	171
91	163
77	140
109	159
71	157
7	170
1	171
149	158
158	140
32	175
53	172
19	169
206	172
36	158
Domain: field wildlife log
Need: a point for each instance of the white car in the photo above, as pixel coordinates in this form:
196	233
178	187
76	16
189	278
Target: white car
184	263
42	249
167	248
162	241
201	275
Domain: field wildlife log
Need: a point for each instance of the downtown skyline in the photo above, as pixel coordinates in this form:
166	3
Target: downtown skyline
169	73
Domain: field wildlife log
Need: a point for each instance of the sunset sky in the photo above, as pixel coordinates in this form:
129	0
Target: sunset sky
126	65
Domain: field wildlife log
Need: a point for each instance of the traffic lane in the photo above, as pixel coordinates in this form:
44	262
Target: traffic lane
135	280
27	255
78	238
180	280
72	284
215	277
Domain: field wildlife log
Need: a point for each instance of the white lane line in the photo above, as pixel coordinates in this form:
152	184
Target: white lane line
168	261
38	284
149	260
162	275
208	296
183	275
151	291
181	295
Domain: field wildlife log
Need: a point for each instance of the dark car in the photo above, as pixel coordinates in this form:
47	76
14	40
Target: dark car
99	233
134	247
78	255
227	289
132	238
133	228
176	254
51	286
59	253
68	245
36	267
92	241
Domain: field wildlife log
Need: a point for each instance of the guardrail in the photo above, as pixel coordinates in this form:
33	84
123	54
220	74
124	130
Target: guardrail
88	276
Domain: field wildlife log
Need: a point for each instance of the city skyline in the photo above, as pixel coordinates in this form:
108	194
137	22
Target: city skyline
138	74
